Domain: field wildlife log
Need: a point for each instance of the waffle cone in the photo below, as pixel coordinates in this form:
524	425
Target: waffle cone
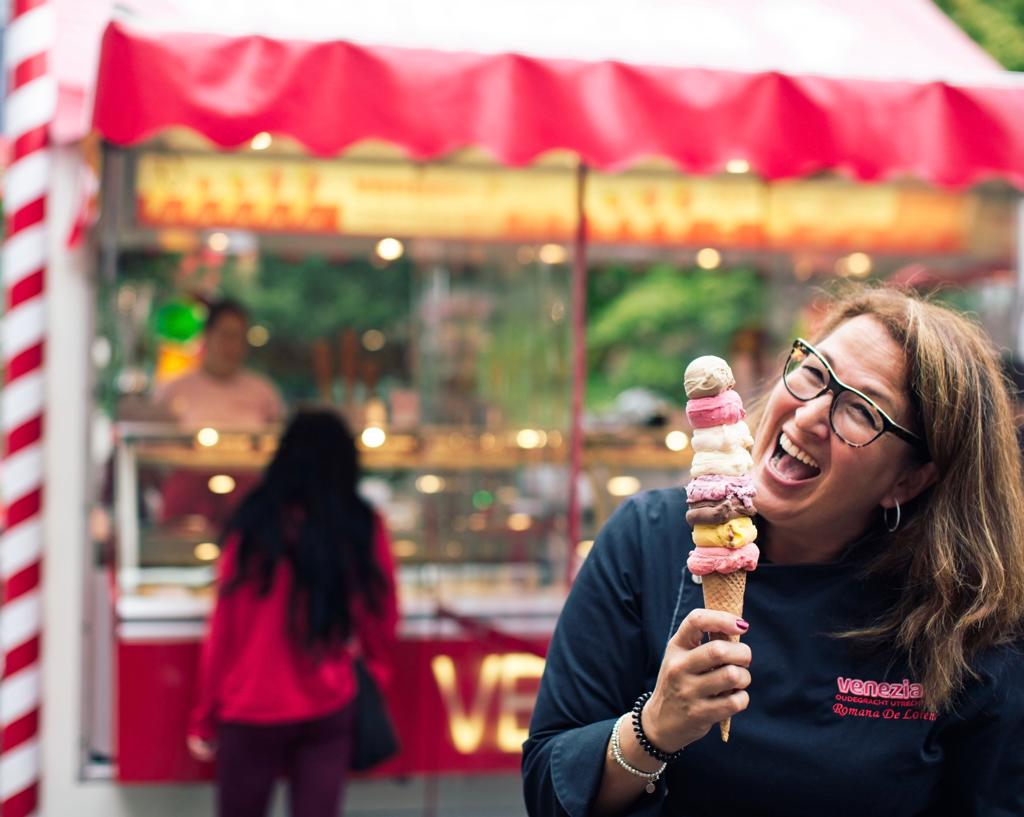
724	591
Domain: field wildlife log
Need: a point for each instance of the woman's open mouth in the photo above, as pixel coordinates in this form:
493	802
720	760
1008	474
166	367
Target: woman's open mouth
790	463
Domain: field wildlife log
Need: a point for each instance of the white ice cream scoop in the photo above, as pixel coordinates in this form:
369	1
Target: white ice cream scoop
707	376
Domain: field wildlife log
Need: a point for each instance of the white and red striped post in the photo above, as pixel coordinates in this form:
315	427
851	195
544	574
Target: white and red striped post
30	107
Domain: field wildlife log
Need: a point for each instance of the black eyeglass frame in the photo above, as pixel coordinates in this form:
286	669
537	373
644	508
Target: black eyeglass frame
837	387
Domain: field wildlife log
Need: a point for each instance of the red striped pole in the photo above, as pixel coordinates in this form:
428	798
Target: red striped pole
579	371
30	107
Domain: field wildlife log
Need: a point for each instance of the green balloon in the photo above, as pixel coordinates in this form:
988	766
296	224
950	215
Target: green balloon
179	321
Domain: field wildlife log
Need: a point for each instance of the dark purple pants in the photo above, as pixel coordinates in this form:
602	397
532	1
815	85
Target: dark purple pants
313	756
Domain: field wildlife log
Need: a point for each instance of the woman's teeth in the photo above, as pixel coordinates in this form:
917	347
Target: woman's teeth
797	453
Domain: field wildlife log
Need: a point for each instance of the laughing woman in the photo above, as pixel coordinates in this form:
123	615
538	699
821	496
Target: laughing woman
880	670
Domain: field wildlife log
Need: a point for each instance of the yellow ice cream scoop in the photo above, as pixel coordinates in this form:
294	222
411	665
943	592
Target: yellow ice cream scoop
732	534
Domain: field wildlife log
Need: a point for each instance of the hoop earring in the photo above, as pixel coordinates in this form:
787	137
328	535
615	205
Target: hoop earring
885	517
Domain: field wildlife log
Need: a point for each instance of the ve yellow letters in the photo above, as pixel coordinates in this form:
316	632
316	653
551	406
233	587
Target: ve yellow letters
500	675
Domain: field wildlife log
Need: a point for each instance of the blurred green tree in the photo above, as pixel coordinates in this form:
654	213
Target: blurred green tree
308	297
643	325
996	25
305	299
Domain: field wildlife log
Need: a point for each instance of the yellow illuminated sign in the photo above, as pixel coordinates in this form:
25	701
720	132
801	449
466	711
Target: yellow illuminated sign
510	677
659	210
353	198
438	200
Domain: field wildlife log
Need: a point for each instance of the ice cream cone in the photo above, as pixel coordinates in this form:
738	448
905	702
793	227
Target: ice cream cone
724	591
721	492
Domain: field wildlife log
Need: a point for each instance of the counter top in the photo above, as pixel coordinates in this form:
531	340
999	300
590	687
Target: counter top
183	615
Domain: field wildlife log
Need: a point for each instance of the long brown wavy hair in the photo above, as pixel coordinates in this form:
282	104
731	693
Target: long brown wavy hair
960	549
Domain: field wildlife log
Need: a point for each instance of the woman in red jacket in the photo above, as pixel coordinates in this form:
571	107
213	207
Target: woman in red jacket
306	571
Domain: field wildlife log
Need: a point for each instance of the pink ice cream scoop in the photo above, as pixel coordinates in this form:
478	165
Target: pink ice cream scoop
715	488
703	561
722	409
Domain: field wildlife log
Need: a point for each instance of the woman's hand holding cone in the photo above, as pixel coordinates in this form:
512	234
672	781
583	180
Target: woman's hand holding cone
700	683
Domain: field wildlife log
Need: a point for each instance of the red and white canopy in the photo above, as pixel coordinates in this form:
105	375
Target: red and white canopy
873	89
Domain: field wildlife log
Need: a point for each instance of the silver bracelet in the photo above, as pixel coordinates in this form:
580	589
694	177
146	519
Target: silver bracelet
650	777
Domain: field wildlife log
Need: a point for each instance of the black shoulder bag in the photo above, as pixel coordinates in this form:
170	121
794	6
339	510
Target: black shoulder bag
374	739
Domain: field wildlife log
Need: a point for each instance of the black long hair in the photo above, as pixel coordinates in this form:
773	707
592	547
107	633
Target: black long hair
306	510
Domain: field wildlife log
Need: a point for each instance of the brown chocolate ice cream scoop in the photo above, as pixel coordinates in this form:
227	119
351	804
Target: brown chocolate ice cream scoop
716	513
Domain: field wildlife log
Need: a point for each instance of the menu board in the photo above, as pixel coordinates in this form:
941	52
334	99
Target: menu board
482	202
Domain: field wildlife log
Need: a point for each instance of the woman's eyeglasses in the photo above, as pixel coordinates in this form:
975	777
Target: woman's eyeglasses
855	418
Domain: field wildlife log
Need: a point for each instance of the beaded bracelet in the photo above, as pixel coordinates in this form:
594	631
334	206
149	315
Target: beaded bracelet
641	738
650	777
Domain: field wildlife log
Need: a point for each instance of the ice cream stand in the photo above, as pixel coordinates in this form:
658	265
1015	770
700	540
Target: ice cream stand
708	88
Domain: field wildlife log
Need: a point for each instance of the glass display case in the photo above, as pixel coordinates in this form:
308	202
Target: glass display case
473	515
469	513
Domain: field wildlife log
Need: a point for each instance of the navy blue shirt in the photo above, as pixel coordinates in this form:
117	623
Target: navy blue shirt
831	730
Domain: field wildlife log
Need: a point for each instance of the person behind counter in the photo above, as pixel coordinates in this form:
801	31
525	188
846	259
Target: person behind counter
221	392
879	673
306	568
